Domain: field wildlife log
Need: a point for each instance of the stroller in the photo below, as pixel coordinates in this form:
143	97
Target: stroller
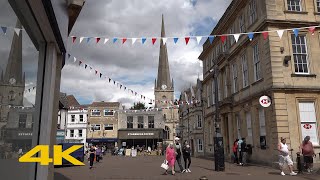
121	152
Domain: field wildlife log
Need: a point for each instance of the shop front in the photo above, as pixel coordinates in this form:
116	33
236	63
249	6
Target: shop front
109	143
18	139
129	138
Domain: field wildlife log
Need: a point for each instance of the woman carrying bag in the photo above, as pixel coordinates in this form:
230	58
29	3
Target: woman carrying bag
170	158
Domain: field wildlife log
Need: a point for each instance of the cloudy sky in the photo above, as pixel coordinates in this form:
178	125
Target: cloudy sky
136	65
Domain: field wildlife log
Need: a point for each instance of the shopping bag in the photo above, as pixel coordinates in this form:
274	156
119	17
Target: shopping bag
164	165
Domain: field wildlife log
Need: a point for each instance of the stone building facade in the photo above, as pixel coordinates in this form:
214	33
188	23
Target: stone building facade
103	123
285	69
191	124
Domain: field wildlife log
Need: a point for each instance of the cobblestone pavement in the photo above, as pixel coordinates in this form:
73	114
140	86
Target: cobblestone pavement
148	167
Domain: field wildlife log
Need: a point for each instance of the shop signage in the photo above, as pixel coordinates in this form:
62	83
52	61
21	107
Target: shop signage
24	134
265	101
140	134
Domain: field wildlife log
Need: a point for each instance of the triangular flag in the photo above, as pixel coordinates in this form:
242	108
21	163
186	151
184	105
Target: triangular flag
133	40
100	75
105	40
154	40
312	30
80	63
96	72
124	40
114	82
236	37
250	35
164	40
211	39
143	40
265	35
88	39
199	39
109	79
97	39
17	30
4	30
120	86
81	39
74	59
187	40
296	32
223	38
175	39
280	33
115	39
69	56
85	66
73	37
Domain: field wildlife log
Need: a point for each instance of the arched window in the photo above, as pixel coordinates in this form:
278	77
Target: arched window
167	132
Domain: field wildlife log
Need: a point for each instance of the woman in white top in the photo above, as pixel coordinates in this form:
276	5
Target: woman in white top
284	157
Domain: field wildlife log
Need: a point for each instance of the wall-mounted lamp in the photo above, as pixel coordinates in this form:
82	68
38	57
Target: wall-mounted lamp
286	60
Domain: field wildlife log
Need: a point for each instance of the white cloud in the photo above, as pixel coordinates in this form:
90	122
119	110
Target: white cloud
135	65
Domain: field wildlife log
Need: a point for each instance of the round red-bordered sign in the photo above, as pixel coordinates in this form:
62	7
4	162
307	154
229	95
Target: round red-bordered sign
265	101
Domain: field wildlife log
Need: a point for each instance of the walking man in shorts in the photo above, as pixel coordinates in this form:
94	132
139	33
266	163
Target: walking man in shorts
284	157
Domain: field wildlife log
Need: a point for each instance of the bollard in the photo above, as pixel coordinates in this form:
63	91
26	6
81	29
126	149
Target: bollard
203	178
299	165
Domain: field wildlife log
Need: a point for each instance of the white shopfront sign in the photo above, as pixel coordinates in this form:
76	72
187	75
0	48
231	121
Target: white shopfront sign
140	134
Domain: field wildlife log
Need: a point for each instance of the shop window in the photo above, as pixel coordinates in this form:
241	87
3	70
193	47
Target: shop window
140	122
200	145
262	125
150	121
308	121
95	112
130	122
108	112
22	120
108	127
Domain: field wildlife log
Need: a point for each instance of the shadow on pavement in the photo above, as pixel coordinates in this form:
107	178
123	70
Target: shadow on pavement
58	176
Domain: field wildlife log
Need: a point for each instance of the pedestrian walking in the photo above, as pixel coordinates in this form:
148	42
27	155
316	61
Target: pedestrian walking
284	157
243	152
98	154
235	152
171	158
307	150
92	154
178	150
186	151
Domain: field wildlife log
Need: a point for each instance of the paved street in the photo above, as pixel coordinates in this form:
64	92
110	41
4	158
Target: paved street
148	167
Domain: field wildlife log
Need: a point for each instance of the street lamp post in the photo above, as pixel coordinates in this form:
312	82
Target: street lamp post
218	141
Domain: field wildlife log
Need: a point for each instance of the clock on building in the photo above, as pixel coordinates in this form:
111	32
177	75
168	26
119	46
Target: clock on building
163	87
12	81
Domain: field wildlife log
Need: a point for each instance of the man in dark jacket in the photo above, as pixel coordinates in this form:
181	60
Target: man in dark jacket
186	156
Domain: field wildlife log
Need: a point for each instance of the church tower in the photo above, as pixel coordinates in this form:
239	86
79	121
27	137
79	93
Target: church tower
12	82
164	89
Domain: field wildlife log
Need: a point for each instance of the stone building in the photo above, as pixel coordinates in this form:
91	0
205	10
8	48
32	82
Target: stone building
103	123
191	124
164	90
142	127
285	69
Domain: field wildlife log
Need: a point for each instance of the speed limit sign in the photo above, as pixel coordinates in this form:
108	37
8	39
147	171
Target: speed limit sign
265	101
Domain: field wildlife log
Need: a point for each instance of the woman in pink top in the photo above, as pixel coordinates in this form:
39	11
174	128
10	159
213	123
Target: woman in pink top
170	157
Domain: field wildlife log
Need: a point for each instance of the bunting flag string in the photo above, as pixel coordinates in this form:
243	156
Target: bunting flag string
4	29
222	37
121	86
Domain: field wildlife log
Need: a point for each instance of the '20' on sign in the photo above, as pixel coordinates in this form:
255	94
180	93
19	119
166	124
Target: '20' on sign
58	155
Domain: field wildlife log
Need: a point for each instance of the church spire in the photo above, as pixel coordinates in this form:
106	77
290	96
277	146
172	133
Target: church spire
163	67
14	65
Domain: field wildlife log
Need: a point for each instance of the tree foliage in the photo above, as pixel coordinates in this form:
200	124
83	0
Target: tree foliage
138	106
